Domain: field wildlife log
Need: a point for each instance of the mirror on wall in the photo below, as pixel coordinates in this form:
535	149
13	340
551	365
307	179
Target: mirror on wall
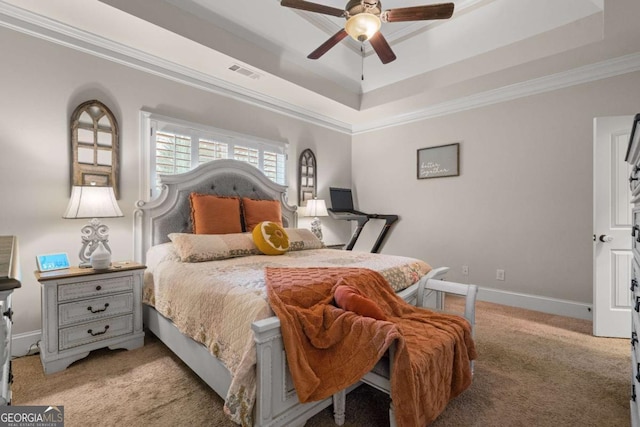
307	177
95	146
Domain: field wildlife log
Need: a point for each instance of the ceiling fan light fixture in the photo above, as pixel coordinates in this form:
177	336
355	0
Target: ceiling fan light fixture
363	26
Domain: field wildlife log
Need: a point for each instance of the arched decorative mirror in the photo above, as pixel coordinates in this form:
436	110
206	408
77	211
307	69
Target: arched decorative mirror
95	146
307	177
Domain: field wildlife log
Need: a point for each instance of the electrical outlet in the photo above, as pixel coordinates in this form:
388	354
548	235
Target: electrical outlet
500	274
465	270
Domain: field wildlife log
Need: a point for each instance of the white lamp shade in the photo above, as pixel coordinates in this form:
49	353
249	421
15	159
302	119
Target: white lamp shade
316	207
92	202
363	26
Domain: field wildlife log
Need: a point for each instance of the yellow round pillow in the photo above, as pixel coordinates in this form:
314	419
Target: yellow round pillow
270	238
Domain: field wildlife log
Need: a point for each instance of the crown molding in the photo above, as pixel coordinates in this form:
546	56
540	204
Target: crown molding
30	23
585	74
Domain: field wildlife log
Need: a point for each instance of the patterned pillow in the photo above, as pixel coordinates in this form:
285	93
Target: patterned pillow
270	238
210	247
301	239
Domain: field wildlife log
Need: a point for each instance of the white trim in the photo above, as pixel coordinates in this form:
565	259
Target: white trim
556	306
588	73
45	28
221	133
21	344
42	27
149	125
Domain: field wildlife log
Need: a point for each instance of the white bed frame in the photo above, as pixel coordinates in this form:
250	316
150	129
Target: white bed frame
276	400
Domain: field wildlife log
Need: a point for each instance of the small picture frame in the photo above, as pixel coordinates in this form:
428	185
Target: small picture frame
438	162
50	262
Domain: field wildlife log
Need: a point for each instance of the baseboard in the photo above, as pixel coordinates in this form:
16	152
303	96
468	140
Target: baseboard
560	307
25	343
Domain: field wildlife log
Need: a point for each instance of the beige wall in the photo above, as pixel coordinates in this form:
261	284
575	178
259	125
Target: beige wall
42	83
523	201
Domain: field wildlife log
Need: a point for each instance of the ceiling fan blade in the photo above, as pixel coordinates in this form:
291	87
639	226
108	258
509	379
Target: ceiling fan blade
312	7
419	13
382	48
324	48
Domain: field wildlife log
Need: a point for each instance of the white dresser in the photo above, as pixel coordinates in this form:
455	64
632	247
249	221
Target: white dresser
84	309
9	280
633	157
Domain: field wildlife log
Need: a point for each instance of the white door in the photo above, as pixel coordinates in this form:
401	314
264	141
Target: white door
612	228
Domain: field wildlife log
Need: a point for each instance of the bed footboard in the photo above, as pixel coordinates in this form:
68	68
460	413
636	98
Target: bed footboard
432	290
430	293
276	401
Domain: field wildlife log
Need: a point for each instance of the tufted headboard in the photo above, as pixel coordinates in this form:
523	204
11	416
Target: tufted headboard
170	212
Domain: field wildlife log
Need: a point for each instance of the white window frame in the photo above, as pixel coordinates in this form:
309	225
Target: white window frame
148	126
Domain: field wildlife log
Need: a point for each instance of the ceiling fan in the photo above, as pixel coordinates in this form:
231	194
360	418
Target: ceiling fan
364	18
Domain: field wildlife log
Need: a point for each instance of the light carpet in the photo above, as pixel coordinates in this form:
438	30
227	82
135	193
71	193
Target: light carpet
534	369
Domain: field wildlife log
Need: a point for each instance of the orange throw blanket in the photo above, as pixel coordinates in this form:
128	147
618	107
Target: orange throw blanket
328	348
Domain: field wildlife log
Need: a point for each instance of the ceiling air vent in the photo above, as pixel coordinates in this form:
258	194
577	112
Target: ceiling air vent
245	71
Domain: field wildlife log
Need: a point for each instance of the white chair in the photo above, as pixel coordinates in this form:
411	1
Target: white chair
430	294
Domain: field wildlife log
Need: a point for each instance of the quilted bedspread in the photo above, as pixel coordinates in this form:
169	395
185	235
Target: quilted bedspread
216	302
329	348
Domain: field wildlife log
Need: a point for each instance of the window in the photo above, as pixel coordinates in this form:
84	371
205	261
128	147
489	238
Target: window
173	146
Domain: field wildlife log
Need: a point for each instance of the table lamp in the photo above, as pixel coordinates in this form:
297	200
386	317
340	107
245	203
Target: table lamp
94	202
316	208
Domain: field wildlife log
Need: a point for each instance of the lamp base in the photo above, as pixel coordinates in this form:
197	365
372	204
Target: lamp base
316	228
93	234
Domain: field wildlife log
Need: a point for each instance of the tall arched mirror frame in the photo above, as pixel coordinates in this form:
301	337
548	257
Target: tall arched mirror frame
95	146
307	177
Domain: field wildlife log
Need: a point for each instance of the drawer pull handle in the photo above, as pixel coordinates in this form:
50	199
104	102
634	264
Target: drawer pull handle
637	307
633	393
633	176
9	314
634	284
634	229
634	339
98	288
106	328
98	310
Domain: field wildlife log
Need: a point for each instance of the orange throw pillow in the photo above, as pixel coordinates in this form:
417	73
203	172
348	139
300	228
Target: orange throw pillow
215	215
257	211
350	298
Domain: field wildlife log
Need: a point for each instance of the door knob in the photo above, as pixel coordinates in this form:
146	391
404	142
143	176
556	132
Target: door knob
604	238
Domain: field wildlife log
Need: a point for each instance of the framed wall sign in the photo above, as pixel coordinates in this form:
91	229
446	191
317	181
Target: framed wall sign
440	161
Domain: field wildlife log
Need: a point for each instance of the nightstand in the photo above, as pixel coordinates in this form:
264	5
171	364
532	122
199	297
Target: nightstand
85	309
9	280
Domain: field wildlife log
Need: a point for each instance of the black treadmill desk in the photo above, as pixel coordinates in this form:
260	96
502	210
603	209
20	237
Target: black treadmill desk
362	218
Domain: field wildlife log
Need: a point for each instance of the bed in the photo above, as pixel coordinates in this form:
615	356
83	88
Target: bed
254	381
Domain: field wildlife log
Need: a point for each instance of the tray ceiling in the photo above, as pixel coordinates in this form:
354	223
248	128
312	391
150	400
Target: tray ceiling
258	49
477	27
